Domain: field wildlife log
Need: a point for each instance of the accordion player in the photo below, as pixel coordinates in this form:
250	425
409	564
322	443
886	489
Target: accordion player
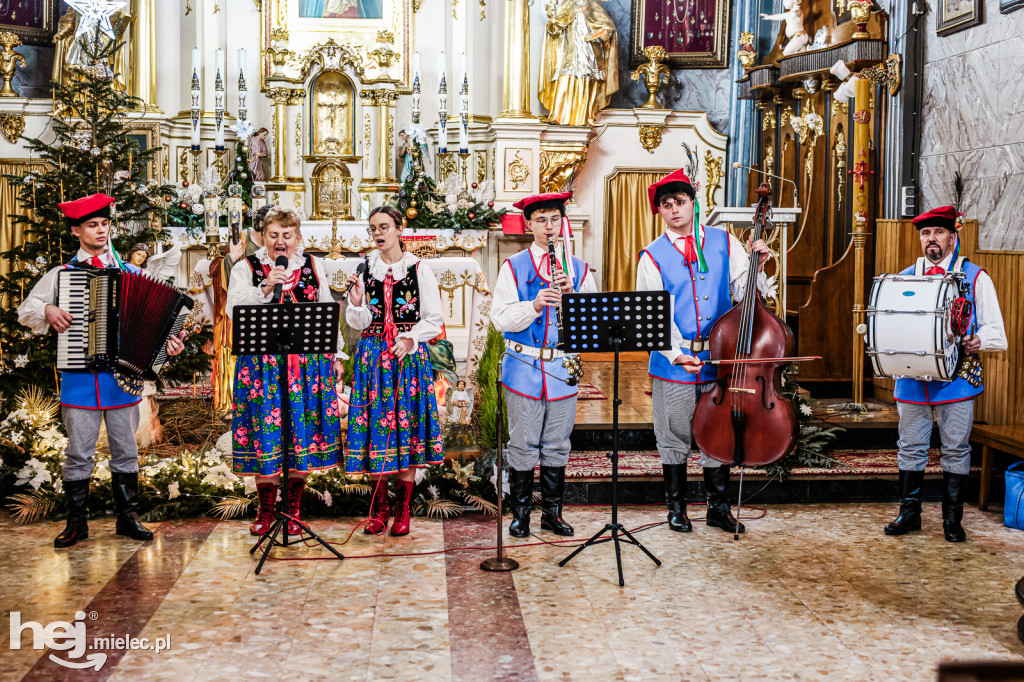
90	392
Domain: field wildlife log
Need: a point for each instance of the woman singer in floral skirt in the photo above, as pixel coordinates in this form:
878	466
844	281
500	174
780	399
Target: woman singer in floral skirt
312	379
392	421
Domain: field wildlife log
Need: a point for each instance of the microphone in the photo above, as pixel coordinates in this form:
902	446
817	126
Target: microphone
281	262
796	204
360	269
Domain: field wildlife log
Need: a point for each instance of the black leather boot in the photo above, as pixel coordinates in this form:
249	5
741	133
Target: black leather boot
552	487
716	482
910	504
125	487
521	483
675	496
76	493
953	506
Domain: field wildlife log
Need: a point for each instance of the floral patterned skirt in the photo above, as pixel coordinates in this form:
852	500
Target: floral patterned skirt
256	426
392	419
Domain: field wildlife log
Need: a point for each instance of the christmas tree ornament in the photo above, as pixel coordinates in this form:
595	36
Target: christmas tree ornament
95	151
96	13
411	213
471	216
490	204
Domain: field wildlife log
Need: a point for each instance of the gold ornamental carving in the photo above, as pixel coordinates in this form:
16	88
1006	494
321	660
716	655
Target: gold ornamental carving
769	157
384	54
650	136
366	142
481	165
840	162
746	55
517	170
654	74
840	108
12	125
331	114
331	56
860	13
558	166
9	61
713	170
787	115
768	122
888	73
447	166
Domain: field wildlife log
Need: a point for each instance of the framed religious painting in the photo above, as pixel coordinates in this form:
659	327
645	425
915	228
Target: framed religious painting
694	33
34	21
147	135
956	15
301	37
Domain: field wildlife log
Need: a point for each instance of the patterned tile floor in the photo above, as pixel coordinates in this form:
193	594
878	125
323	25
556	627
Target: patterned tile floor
810	592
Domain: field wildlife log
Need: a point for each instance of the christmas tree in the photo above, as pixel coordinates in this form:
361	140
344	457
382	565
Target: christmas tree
92	152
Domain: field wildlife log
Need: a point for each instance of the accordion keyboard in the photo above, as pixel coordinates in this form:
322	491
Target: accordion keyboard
71	345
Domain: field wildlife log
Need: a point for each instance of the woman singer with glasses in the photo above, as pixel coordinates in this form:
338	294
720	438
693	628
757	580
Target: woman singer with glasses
392	420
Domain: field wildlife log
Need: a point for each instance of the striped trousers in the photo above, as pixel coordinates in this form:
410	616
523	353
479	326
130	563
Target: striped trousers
955	421
538	430
674	405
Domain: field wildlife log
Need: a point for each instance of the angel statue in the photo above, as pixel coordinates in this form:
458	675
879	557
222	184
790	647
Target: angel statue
794	18
459	402
162	266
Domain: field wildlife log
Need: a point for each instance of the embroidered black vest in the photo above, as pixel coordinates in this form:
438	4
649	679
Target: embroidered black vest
306	291
405	302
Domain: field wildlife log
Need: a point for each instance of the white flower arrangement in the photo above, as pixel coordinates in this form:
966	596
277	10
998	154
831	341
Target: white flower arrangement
34	473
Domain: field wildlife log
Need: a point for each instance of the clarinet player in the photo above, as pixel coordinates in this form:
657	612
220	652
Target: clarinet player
541	407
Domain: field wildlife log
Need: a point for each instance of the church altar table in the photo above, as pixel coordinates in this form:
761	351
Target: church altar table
465	299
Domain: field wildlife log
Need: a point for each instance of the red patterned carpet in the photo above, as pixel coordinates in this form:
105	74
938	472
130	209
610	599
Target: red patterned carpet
589	391
647	464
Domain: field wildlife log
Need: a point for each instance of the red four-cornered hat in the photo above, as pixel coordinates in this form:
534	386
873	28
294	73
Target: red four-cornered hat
673	177
524	204
944	216
80	210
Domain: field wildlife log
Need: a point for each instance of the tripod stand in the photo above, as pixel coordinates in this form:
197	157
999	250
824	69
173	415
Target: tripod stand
282	330
615	322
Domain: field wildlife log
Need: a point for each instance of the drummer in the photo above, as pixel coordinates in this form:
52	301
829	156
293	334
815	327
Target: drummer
952	402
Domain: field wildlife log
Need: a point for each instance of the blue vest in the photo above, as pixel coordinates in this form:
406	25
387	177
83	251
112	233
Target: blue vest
698	299
936	392
524	376
94	390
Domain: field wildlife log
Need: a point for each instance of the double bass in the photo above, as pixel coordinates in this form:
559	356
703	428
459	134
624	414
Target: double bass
744	419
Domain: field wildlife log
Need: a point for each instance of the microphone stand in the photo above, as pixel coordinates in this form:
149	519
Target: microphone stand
501	563
796	204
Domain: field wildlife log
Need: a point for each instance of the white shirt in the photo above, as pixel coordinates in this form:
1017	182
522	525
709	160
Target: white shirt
431	315
241	290
648	278
508	313
32	311
986	308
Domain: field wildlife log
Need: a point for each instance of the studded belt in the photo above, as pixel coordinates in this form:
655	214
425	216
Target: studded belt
546	353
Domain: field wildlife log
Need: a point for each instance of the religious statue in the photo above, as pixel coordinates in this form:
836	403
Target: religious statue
579	69
257	147
407	153
138	255
62	40
332	98
122	59
794	18
459	403
94	40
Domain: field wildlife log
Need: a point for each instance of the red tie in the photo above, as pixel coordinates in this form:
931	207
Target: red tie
96	262
935	270
689	253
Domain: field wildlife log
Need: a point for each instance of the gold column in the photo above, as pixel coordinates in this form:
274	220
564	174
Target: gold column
279	96
142	45
515	100
862	188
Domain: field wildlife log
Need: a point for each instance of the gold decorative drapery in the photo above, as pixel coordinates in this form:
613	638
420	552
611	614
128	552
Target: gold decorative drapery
11	233
629	225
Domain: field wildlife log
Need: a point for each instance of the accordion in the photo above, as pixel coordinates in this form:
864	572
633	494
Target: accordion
120	321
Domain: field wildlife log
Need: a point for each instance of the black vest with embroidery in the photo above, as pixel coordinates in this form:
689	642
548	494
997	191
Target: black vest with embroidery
405	302
302	292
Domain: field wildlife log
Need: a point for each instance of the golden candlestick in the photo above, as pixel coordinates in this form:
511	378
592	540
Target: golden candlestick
9	61
334	206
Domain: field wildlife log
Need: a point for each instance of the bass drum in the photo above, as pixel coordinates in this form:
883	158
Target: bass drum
910	327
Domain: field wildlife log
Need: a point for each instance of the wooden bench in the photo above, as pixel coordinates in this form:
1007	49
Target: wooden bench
1007	438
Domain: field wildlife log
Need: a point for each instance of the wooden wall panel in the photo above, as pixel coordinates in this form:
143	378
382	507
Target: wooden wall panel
1003	400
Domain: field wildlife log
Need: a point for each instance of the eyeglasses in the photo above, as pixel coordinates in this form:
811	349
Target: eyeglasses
378	230
546	221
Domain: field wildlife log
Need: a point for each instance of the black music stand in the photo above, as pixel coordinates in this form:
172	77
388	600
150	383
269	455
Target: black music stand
616	321
283	330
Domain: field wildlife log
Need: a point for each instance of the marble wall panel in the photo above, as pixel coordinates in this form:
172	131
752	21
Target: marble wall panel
973	122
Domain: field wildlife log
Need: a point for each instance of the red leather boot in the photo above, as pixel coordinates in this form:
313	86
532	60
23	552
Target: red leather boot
403	495
295	488
266	493
379	511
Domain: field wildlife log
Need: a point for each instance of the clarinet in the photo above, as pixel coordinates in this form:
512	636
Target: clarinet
552	263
